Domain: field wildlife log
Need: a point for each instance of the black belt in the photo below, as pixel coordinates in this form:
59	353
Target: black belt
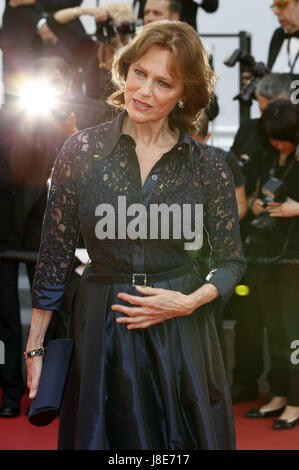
139	279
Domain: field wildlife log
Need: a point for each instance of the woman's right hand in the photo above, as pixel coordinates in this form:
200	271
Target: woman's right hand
34	367
257	207
39	324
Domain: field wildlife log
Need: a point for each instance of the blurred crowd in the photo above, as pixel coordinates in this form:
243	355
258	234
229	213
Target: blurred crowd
57	79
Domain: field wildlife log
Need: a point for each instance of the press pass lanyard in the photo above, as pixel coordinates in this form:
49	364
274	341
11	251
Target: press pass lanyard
291	65
288	168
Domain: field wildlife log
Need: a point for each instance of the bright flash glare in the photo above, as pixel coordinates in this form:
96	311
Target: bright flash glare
38	98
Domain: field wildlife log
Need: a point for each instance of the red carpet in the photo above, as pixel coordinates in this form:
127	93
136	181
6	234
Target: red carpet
19	434
257	434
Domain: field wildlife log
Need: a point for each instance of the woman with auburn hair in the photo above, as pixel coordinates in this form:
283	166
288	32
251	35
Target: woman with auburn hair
147	371
182	65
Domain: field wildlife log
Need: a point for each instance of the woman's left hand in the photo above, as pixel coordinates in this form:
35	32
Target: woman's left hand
289	208
156	306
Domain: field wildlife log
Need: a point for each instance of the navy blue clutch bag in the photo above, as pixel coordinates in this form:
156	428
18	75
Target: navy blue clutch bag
47	403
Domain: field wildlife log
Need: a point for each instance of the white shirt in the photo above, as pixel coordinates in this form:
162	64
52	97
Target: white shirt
281	64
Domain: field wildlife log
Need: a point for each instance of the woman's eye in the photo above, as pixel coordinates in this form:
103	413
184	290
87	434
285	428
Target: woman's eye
138	72
164	84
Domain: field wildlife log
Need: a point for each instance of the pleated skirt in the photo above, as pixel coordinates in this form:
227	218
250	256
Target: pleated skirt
159	388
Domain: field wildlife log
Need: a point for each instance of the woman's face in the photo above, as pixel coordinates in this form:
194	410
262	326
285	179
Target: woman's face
283	146
151	92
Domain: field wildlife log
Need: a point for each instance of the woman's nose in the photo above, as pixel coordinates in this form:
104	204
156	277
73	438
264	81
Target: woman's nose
146	87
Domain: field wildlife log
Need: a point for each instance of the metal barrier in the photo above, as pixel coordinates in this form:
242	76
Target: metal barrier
18	255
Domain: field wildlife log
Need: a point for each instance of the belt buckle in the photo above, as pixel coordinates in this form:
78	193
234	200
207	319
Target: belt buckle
142	281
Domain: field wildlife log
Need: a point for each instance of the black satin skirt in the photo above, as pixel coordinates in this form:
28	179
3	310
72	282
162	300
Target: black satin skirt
160	388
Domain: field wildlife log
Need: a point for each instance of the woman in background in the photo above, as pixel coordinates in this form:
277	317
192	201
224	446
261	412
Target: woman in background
277	219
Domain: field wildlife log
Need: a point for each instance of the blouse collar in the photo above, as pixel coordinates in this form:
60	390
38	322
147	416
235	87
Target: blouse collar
114	133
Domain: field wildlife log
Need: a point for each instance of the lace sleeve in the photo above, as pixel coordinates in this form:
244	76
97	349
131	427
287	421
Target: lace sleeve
59	234
227	262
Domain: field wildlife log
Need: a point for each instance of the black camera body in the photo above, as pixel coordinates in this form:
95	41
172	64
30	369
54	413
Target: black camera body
107	30
273	191
257	69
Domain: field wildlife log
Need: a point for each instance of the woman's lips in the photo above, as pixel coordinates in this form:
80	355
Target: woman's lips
140	105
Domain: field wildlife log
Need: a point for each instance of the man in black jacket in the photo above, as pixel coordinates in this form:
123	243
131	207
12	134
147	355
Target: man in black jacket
187	9
283	54
16	41
47	43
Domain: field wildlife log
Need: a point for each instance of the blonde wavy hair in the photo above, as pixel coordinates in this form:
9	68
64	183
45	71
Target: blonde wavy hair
121	12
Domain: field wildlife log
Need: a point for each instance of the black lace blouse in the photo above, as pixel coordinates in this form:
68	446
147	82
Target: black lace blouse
97	170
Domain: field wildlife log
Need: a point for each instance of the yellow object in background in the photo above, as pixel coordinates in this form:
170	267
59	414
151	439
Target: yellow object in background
242	290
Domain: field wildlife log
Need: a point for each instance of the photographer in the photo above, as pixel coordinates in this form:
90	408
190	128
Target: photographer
284	47
273	269
36	135
29	145
19	42
28	149
283	54
18	21
255	152
44	116
92	59
187	9
250	145
46	42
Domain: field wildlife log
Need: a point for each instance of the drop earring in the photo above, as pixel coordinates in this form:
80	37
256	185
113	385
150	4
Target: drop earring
181	104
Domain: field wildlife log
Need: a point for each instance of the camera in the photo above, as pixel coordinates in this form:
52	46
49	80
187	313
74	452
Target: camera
257	69
107	30
40	98
273	190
